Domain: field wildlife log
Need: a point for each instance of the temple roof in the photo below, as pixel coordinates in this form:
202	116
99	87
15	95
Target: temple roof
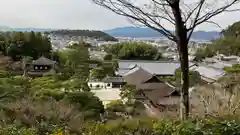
44	61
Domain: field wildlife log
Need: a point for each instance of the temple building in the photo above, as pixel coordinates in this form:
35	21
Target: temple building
43	66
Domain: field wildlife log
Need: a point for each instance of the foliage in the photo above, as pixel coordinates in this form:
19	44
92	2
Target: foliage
13	87
115	106
194	78
105	68
108	57
233	30
146	126
217	100
17	44
203	53
97	74
45	83
40	103
43	114
128	92
87	102
228	44
13	130
110	68
4	74
184	17
75	65
84	33
234	69
133	51
76	59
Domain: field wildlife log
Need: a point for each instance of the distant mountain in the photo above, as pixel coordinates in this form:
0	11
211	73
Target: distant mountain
32	29
6	28
137	32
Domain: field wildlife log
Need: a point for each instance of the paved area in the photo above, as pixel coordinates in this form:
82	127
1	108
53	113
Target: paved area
107	94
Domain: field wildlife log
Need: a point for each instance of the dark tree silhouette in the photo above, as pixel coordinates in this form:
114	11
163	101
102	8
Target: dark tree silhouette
184	15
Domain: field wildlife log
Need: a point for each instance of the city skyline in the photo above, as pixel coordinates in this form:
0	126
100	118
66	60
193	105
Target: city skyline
76	14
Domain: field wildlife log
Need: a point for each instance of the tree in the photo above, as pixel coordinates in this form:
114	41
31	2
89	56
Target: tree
134	51
228	45
184	16
25	61
87	102
128	93
233	30
4	43
75	65
14	87
97	74
234	69
108	57
194	78
77	59
13	51
19	44
202	53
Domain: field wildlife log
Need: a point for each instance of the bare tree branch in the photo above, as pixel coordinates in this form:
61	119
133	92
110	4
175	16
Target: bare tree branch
125	8
183	15
198	8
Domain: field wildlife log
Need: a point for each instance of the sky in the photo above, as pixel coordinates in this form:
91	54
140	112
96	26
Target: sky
75	14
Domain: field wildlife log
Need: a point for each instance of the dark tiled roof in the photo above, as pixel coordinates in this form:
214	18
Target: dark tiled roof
153	67
137	76
175	100
208	73
161	92
150	86
44	61
113	79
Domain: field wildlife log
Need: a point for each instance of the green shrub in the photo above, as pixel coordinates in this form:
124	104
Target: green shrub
145	126
13	130
5	74
115	106
57	95
87	102
155	127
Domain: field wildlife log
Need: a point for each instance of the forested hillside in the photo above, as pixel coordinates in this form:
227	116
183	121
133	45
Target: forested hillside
85	33
228	45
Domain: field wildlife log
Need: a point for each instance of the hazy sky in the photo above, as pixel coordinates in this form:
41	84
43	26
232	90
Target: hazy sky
74	14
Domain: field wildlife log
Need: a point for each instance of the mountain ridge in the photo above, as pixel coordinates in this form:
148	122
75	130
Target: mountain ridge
137	32
129	31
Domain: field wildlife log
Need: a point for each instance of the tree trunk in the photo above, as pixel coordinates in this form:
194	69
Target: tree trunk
182	44
24	64
183	53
